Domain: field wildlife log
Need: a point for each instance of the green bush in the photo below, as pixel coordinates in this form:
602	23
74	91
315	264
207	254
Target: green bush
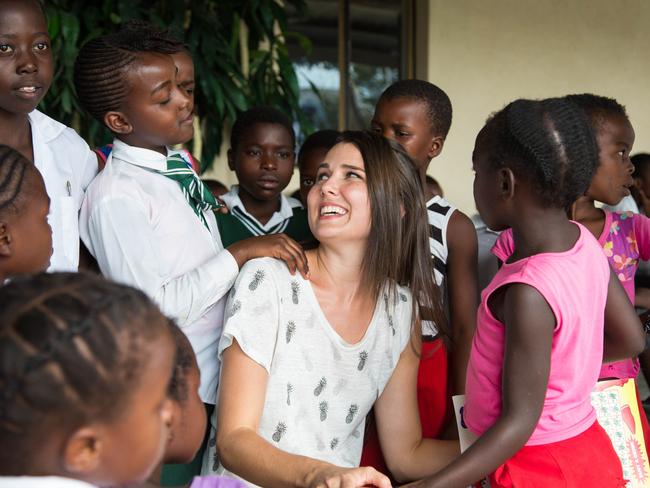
212	31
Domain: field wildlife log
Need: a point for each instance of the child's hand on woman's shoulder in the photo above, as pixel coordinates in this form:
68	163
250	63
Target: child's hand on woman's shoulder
279	246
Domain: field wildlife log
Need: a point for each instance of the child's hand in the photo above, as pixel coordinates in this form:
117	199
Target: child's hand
279	246
224	208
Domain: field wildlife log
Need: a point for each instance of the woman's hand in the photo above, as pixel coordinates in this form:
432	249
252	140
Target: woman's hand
336	477
279	246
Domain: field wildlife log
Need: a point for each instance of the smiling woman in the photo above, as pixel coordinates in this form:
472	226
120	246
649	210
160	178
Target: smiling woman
305	360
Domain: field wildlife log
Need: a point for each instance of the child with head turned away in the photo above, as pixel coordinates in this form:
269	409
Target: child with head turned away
550	315
84	379
64	161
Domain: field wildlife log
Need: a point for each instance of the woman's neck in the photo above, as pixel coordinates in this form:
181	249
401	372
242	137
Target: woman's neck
337	268
16	131
543	230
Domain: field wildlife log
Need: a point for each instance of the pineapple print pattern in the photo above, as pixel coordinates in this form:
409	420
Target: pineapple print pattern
390	317
279	431
363	357
295	291
258	277
334	443
322	383
234	308
403	297
289	390
323	407
352	411
291	330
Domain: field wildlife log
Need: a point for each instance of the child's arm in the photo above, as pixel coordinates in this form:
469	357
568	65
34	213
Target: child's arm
624	335
462	289
242	451
407	454
529	324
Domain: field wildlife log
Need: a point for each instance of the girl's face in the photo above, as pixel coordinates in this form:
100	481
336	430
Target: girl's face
26	66
30	233
613	177
486	187
338	203
263	161
135	441
188	427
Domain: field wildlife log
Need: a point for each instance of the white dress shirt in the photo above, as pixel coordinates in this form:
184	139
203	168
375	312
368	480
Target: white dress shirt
68	166
41	482
142	231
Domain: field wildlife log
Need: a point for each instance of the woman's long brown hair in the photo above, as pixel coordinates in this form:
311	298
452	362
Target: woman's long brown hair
398	245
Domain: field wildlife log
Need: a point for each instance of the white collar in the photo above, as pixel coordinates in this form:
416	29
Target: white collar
49	128
287	204
41	481
139	156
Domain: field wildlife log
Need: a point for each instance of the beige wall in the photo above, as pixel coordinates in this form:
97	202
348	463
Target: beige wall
485	53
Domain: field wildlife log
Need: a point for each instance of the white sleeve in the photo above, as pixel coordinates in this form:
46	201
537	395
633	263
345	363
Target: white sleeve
125	247
253	313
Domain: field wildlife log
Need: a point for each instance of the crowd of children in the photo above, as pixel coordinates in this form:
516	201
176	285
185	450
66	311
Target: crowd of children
241	337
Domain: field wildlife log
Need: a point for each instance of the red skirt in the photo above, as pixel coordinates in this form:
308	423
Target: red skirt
585	460
433	403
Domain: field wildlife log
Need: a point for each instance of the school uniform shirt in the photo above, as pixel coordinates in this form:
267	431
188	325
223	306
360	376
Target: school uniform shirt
142	231
320	387
41	482
238	224
68	166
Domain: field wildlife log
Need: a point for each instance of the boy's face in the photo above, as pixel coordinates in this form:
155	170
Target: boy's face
308	168
185	74
263	161
26	66
406	121
156	112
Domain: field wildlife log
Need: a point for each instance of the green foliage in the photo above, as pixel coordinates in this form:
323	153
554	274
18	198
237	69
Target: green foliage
212	29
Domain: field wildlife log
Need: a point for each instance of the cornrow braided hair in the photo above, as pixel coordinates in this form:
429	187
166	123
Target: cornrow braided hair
102	63
547	142
436	100
185	359
598	108
71	350
14	168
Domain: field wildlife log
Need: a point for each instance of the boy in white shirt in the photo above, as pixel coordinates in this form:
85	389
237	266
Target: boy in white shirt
147	218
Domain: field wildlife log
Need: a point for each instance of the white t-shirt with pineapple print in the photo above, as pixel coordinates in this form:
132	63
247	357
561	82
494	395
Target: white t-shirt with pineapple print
320	387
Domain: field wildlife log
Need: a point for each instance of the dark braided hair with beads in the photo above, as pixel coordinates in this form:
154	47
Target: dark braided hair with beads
436	100
548	143
72	347
14	170
102	63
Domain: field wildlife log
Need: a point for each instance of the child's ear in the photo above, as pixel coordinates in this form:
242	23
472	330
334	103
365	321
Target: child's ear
118	123
83	451
435	148
231	159
5	240
506	179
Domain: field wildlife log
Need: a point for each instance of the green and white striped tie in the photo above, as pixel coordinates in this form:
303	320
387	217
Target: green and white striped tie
195	191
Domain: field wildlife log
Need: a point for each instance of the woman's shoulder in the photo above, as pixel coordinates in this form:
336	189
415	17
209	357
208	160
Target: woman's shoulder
275	268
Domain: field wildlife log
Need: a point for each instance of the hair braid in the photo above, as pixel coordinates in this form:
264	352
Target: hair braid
13	170
70	350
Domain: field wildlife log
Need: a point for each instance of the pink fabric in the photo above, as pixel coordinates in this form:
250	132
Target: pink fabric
625	238
574	284
216	482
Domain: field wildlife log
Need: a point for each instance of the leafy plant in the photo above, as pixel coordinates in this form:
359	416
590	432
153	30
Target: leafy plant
219	34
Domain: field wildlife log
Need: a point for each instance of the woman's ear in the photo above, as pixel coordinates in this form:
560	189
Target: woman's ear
5	240
83	451
118	123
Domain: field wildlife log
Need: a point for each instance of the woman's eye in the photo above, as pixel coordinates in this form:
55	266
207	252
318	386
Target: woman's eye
321	177
352	174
